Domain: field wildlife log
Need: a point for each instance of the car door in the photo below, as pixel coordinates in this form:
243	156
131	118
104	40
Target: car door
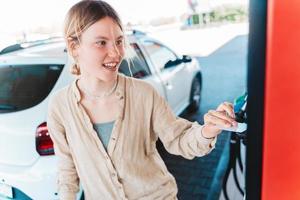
173	78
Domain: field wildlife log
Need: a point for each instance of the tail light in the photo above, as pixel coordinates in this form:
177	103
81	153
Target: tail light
43	142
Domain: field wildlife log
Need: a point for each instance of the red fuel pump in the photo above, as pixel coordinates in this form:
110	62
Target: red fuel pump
273	148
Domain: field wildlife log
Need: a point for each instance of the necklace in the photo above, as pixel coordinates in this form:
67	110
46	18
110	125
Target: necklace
106	94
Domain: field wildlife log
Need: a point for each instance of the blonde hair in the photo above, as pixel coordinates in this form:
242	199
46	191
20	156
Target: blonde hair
80	17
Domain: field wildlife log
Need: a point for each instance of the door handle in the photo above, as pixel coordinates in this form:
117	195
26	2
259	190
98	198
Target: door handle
168	85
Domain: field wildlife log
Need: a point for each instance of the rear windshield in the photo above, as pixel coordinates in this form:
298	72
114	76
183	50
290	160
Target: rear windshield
24	86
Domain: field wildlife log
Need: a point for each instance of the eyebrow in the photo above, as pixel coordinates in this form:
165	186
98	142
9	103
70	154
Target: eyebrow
105	38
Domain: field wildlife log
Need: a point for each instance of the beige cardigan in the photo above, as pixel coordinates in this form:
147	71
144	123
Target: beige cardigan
131	168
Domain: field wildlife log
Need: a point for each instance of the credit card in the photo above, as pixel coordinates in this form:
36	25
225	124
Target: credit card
241	127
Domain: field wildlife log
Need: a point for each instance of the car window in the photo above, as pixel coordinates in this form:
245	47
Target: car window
137	63
158	54
24	86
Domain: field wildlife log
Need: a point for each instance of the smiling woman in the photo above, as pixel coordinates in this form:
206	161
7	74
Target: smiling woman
102	44
104	126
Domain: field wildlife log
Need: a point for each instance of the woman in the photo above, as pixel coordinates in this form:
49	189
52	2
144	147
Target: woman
104	125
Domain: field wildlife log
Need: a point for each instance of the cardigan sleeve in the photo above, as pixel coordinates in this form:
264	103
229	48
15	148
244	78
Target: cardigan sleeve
68	181
179	136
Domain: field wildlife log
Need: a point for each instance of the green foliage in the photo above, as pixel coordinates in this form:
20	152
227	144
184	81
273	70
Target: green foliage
231	13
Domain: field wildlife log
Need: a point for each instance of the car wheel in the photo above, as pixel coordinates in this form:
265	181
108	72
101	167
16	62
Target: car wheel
195	96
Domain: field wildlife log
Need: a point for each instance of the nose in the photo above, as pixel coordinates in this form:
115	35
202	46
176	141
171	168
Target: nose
113	51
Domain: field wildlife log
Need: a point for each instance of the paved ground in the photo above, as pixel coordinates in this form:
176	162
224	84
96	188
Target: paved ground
224	78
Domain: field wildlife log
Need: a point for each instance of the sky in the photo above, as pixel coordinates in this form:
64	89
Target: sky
25	15
31	13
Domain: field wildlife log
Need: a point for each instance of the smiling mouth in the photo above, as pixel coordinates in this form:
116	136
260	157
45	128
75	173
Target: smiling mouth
112	66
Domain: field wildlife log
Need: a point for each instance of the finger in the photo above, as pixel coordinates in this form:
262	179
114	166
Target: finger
211	119
227	108
232	108
225	104
223	115
229	104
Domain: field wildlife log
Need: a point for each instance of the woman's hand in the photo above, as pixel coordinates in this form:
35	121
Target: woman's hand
215	120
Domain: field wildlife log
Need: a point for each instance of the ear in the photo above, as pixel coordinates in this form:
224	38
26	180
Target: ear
73	47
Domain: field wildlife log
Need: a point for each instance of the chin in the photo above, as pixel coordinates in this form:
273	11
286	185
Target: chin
108	77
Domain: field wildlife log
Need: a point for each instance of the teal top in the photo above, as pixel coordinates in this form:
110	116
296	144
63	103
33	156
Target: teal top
104	131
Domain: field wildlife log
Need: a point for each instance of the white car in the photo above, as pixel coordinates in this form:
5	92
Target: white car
30	73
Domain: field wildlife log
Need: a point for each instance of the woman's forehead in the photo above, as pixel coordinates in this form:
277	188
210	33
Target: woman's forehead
105	28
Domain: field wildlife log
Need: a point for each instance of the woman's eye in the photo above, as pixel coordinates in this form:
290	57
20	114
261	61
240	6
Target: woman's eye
119	42
101	43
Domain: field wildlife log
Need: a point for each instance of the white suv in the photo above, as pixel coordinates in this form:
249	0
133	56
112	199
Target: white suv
29	75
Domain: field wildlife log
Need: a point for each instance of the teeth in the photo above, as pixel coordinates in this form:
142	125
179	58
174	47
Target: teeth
110	65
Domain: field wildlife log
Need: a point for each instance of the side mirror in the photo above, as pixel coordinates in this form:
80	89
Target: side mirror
173	63
186	59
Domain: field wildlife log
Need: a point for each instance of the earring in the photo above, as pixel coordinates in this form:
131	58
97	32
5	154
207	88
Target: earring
75	69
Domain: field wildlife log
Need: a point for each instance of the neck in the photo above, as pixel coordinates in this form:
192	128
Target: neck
96	87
